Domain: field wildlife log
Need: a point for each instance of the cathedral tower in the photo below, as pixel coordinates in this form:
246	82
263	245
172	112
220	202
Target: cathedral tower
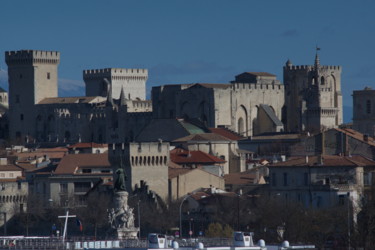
32	77
313	99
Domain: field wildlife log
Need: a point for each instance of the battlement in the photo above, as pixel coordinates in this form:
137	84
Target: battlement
310	67
116	74
257	86
32	56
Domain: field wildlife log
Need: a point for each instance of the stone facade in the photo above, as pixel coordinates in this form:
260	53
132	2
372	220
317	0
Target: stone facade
234	106
132	81
32	77
313	99
143	163
364	110
38	115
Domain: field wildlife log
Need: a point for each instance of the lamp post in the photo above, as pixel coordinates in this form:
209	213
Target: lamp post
238	209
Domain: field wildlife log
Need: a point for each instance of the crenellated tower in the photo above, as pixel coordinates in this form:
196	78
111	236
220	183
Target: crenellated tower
132	81
313	99
32	77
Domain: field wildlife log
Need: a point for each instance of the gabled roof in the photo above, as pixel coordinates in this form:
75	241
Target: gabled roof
88	145
70	163
9	167
327	161
202	137
226	133
174	172
182	156
242	178
357	135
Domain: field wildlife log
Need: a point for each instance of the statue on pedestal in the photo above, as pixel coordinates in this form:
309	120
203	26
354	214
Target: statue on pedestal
121	216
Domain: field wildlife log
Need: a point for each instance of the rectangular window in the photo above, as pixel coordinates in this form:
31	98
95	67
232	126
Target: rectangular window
11	175
2	175
21	117
48	75
285	175
86	171
64	188
274	181
19	185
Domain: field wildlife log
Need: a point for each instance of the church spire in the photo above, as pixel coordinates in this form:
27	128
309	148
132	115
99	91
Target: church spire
317	60
122	97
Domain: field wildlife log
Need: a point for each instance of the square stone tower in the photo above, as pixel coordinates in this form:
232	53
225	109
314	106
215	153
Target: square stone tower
32	77
313	99
132	81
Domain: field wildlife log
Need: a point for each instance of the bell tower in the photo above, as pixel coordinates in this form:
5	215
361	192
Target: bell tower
313	99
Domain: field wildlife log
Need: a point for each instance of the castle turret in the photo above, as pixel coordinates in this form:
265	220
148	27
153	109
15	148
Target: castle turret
32	77
133	81
313	99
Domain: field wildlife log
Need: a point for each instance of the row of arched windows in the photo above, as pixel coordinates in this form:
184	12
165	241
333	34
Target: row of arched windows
149	160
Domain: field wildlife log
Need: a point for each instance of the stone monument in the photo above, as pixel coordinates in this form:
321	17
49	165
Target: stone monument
121	216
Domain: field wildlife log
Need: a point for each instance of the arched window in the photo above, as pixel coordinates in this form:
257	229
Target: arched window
368	107
322	81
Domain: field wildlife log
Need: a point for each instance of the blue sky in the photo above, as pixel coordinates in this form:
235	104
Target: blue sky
194	41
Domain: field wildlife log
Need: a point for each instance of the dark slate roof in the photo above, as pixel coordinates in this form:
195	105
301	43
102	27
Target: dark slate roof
271	114
182	156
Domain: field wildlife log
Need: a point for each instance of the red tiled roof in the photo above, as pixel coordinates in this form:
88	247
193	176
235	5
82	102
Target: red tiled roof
181	156
88	145
52	153
71	162
328	161
9	167
226	133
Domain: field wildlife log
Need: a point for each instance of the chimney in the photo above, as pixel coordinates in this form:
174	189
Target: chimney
365	137
320	160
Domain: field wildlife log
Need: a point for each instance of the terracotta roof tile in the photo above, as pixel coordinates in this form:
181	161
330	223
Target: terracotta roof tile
181	156
226	133
70	163
241	178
